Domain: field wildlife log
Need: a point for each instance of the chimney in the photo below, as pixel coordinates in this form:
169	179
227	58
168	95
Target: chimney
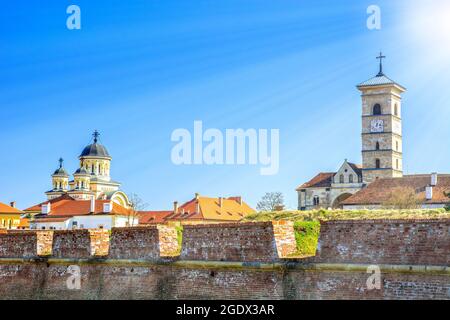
197	195
107	207
197	207
46	208
12	204
429	192
434	179
175	207
220	202
92	205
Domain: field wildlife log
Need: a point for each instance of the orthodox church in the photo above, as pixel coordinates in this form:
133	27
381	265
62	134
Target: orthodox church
91	180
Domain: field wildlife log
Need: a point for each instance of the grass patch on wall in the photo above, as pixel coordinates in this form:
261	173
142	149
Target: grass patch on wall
307	225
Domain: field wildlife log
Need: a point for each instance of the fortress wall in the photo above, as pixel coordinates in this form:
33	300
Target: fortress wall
80	244
238	261
123	281
18	245
424	242
252	242
143	242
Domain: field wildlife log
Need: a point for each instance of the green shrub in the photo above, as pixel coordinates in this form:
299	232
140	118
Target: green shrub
306	236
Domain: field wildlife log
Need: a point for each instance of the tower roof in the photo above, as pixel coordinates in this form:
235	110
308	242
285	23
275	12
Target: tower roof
61	171
380	79
95	149
81	171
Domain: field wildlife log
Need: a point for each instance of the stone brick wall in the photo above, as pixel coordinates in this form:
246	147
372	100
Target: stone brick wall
385	241
252	242
44	243
80	244
18	245
231	261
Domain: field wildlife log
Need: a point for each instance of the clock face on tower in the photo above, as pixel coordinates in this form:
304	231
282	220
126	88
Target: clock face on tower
376	126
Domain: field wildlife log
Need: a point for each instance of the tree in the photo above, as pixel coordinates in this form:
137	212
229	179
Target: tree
270	201
136	205
402	198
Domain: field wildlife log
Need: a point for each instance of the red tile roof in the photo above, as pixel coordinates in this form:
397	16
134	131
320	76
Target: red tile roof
4	208
379	191
67	206
153	217
322	180
205	208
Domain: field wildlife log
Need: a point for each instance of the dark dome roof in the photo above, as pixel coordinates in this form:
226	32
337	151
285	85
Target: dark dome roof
95	150
81	171
60	172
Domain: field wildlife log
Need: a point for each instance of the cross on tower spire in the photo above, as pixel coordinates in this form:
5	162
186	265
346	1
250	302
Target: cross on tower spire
381	57
61	161
96	134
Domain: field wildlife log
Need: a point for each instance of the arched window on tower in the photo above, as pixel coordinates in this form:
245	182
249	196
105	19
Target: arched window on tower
377	146
377	109
396	145
377	163
397	164
396	110
341	178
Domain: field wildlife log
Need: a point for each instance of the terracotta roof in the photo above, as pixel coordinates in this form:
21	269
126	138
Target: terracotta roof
153	217
4	208
380	190
210	209
322	180
67	206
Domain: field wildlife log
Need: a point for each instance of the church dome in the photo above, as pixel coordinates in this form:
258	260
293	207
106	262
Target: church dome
61	171
81	171
95	149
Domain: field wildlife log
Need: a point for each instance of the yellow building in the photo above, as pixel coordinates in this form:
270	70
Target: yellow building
9	216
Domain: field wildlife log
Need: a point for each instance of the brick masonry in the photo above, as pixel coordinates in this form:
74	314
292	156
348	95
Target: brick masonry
258	242
424	242
251	266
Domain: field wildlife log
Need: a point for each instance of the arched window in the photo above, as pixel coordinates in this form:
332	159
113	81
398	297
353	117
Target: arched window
396	145
350	178
341	178
377	146
396	110
316	200
377	109
397	163
377	163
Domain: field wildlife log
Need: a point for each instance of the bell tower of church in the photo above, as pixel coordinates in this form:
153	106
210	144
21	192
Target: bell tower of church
381	127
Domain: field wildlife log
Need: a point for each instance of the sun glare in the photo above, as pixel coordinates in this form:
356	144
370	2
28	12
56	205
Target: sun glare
428	24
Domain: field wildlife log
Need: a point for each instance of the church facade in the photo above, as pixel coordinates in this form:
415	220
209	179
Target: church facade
91	180
381	147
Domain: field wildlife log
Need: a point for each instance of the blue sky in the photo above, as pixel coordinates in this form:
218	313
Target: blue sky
137	70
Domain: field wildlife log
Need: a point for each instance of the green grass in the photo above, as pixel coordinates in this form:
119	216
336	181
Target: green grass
307	225
323	214
306	236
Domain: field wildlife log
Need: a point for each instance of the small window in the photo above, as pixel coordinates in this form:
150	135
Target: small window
396	145
396	110
341	178
397	163
377	146
377	109
316	200
377	163
350	178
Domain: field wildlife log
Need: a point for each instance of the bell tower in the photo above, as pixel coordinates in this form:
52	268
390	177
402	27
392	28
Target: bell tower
382	150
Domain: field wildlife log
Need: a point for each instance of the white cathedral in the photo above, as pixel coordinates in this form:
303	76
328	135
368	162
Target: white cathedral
91	180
